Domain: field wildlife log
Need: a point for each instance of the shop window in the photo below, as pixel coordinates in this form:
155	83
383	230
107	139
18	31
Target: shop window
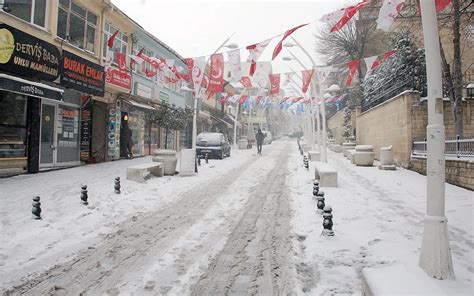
33	11
77	25
12	125
120	42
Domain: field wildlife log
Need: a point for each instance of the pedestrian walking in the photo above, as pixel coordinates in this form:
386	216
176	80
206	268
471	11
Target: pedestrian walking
259	137
128	141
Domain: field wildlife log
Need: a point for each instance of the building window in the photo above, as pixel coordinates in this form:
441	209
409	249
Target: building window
77	25
12	125
120	42
33	11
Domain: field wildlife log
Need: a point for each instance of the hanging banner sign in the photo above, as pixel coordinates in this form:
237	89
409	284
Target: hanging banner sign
82	75
118	78
27	55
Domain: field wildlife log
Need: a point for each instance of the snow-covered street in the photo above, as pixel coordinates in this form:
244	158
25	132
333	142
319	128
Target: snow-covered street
244	225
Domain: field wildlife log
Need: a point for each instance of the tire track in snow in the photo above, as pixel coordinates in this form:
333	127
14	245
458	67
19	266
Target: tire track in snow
254	259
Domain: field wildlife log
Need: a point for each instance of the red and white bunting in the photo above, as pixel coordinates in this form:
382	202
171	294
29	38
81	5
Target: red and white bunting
279	46
255	51
307	75
370	63
216	74
234	65
323	73
245	81
352	70
275	84
198	74
243	99
442	5
388	12
340	18
149	73
111	40
288	78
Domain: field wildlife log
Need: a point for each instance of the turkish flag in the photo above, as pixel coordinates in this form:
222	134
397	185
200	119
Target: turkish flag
279	46
255	51
110	42
307	75
442	5
388	13
149	73
275	83
245	81
121	61
216	74
352	70
339	18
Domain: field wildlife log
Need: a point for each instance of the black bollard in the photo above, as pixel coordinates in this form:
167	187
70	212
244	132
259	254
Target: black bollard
199	161
84	195
315	187
306	164
36	210
321	204
327	221
207	157
117	185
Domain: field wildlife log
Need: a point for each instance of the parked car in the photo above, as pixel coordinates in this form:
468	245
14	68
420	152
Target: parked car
212	144
268	139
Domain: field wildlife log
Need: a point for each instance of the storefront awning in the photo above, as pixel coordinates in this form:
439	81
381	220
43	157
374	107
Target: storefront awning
223	121
29	88
140	105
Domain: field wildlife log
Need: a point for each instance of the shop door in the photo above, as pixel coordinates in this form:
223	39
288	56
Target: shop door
48	135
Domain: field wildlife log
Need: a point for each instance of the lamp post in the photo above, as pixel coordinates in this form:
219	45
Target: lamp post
236	108
311	121
313	84
435	255
332	89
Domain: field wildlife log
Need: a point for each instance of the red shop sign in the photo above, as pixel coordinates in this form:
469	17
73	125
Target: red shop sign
119	78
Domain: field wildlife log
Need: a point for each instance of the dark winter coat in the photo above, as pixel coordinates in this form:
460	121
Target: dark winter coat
259	137
128	136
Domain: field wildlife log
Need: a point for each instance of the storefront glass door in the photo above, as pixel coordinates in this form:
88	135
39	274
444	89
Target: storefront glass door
48	135
59	135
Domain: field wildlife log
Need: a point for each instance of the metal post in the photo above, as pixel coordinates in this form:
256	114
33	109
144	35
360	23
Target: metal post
324	135
435	254
235	126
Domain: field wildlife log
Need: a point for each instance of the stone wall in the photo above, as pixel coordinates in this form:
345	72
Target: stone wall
389	123
419	115
458	172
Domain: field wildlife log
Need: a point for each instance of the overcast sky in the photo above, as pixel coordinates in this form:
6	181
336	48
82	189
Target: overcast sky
197	28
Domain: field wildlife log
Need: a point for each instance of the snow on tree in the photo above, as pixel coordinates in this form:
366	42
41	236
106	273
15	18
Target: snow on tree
405	70
347	125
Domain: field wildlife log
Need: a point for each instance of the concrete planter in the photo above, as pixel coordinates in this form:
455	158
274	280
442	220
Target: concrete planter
242	143
168	159
364	155
346	147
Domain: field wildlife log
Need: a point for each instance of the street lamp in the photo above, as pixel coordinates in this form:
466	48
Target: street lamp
236	108
313	89
435	254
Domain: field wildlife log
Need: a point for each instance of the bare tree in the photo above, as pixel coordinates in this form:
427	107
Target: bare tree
354	41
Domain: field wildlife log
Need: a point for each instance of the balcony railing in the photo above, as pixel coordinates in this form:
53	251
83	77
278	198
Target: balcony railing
459	148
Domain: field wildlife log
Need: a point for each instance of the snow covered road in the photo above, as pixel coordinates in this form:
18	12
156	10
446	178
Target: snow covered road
237	219
245	225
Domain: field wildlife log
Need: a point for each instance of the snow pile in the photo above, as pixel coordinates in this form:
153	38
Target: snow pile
378	219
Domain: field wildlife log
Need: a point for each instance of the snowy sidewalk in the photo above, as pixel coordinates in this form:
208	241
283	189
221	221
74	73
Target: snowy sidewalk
378	219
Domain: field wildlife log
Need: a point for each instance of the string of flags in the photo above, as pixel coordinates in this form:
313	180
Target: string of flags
194	72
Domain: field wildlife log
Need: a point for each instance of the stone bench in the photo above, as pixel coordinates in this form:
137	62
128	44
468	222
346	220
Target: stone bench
140	173
314	155
325	173
364	155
